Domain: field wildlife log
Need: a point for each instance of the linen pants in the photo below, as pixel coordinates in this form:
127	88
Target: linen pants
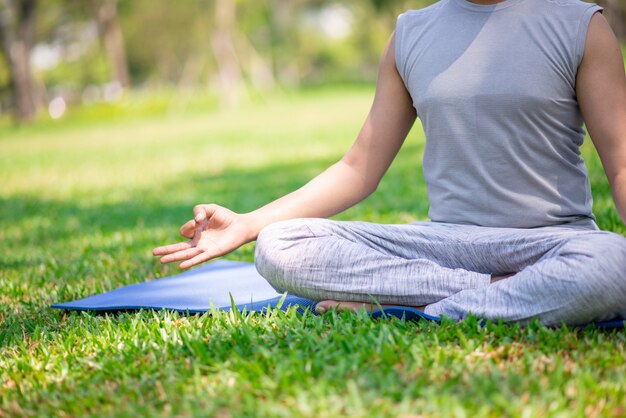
564	274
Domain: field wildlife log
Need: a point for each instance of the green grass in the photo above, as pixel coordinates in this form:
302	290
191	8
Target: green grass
82	204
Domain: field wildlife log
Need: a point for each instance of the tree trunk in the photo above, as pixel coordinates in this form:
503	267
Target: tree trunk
258	68
105	12
16	35
230	77
284	15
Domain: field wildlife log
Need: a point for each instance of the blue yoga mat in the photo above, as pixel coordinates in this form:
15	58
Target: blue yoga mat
214	284
194	291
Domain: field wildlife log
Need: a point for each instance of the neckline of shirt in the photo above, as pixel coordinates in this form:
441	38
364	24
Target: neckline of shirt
486	7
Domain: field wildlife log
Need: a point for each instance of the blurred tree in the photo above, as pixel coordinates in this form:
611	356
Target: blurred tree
105	15
237	47
17	18
252	42
166	44
229	73
284	40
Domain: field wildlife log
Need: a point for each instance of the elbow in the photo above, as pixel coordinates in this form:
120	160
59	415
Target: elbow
371	187
365	181
368	185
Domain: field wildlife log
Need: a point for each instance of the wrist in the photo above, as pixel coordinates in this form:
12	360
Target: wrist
252	221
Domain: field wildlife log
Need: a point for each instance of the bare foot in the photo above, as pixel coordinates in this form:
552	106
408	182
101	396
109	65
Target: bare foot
326	305
498	278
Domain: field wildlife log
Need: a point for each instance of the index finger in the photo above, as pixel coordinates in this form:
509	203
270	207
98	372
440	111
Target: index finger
202	212
188	229
168	249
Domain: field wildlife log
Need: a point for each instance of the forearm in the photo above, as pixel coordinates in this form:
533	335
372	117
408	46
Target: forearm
336	189
357	175
215	231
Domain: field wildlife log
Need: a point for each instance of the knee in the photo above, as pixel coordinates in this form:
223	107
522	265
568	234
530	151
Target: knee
601	274
612	255
604	251
602	259
279	249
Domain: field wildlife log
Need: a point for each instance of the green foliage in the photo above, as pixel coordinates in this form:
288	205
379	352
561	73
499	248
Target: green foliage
160	38
83	202
171	46
92	68
5	79
165	43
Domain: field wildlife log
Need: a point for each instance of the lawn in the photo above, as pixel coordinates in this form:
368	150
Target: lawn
83	202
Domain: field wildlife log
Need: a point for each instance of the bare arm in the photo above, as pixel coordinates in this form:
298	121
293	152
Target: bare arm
601	91
217	231
358	173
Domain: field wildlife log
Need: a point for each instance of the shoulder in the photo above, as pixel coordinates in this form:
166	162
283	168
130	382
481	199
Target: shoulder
412	15
413	19
567	3
567	22
600	40
568	6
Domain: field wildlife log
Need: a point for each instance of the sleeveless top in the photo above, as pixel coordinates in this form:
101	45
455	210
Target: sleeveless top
494	88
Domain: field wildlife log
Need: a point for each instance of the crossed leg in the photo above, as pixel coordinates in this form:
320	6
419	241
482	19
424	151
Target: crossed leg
325	305
565	274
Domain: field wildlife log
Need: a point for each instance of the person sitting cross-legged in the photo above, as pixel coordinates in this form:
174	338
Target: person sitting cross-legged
502	89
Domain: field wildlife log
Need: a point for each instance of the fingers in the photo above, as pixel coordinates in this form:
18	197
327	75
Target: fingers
199	214
191	229
200	258
181	255
203	212
169	249
188	229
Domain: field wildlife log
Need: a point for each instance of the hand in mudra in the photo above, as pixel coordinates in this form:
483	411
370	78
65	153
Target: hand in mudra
214	231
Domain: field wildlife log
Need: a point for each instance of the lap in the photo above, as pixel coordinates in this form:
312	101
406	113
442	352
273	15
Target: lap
564	273
470	247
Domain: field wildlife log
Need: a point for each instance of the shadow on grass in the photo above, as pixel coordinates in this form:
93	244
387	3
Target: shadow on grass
58	250
29	220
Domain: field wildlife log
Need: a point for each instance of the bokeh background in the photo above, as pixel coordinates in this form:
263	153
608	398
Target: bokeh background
154	56
117	117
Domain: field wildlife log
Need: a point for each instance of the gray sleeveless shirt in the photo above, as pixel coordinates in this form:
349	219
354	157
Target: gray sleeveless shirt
494	88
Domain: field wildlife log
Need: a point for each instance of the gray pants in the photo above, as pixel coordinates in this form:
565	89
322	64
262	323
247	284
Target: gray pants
564	273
